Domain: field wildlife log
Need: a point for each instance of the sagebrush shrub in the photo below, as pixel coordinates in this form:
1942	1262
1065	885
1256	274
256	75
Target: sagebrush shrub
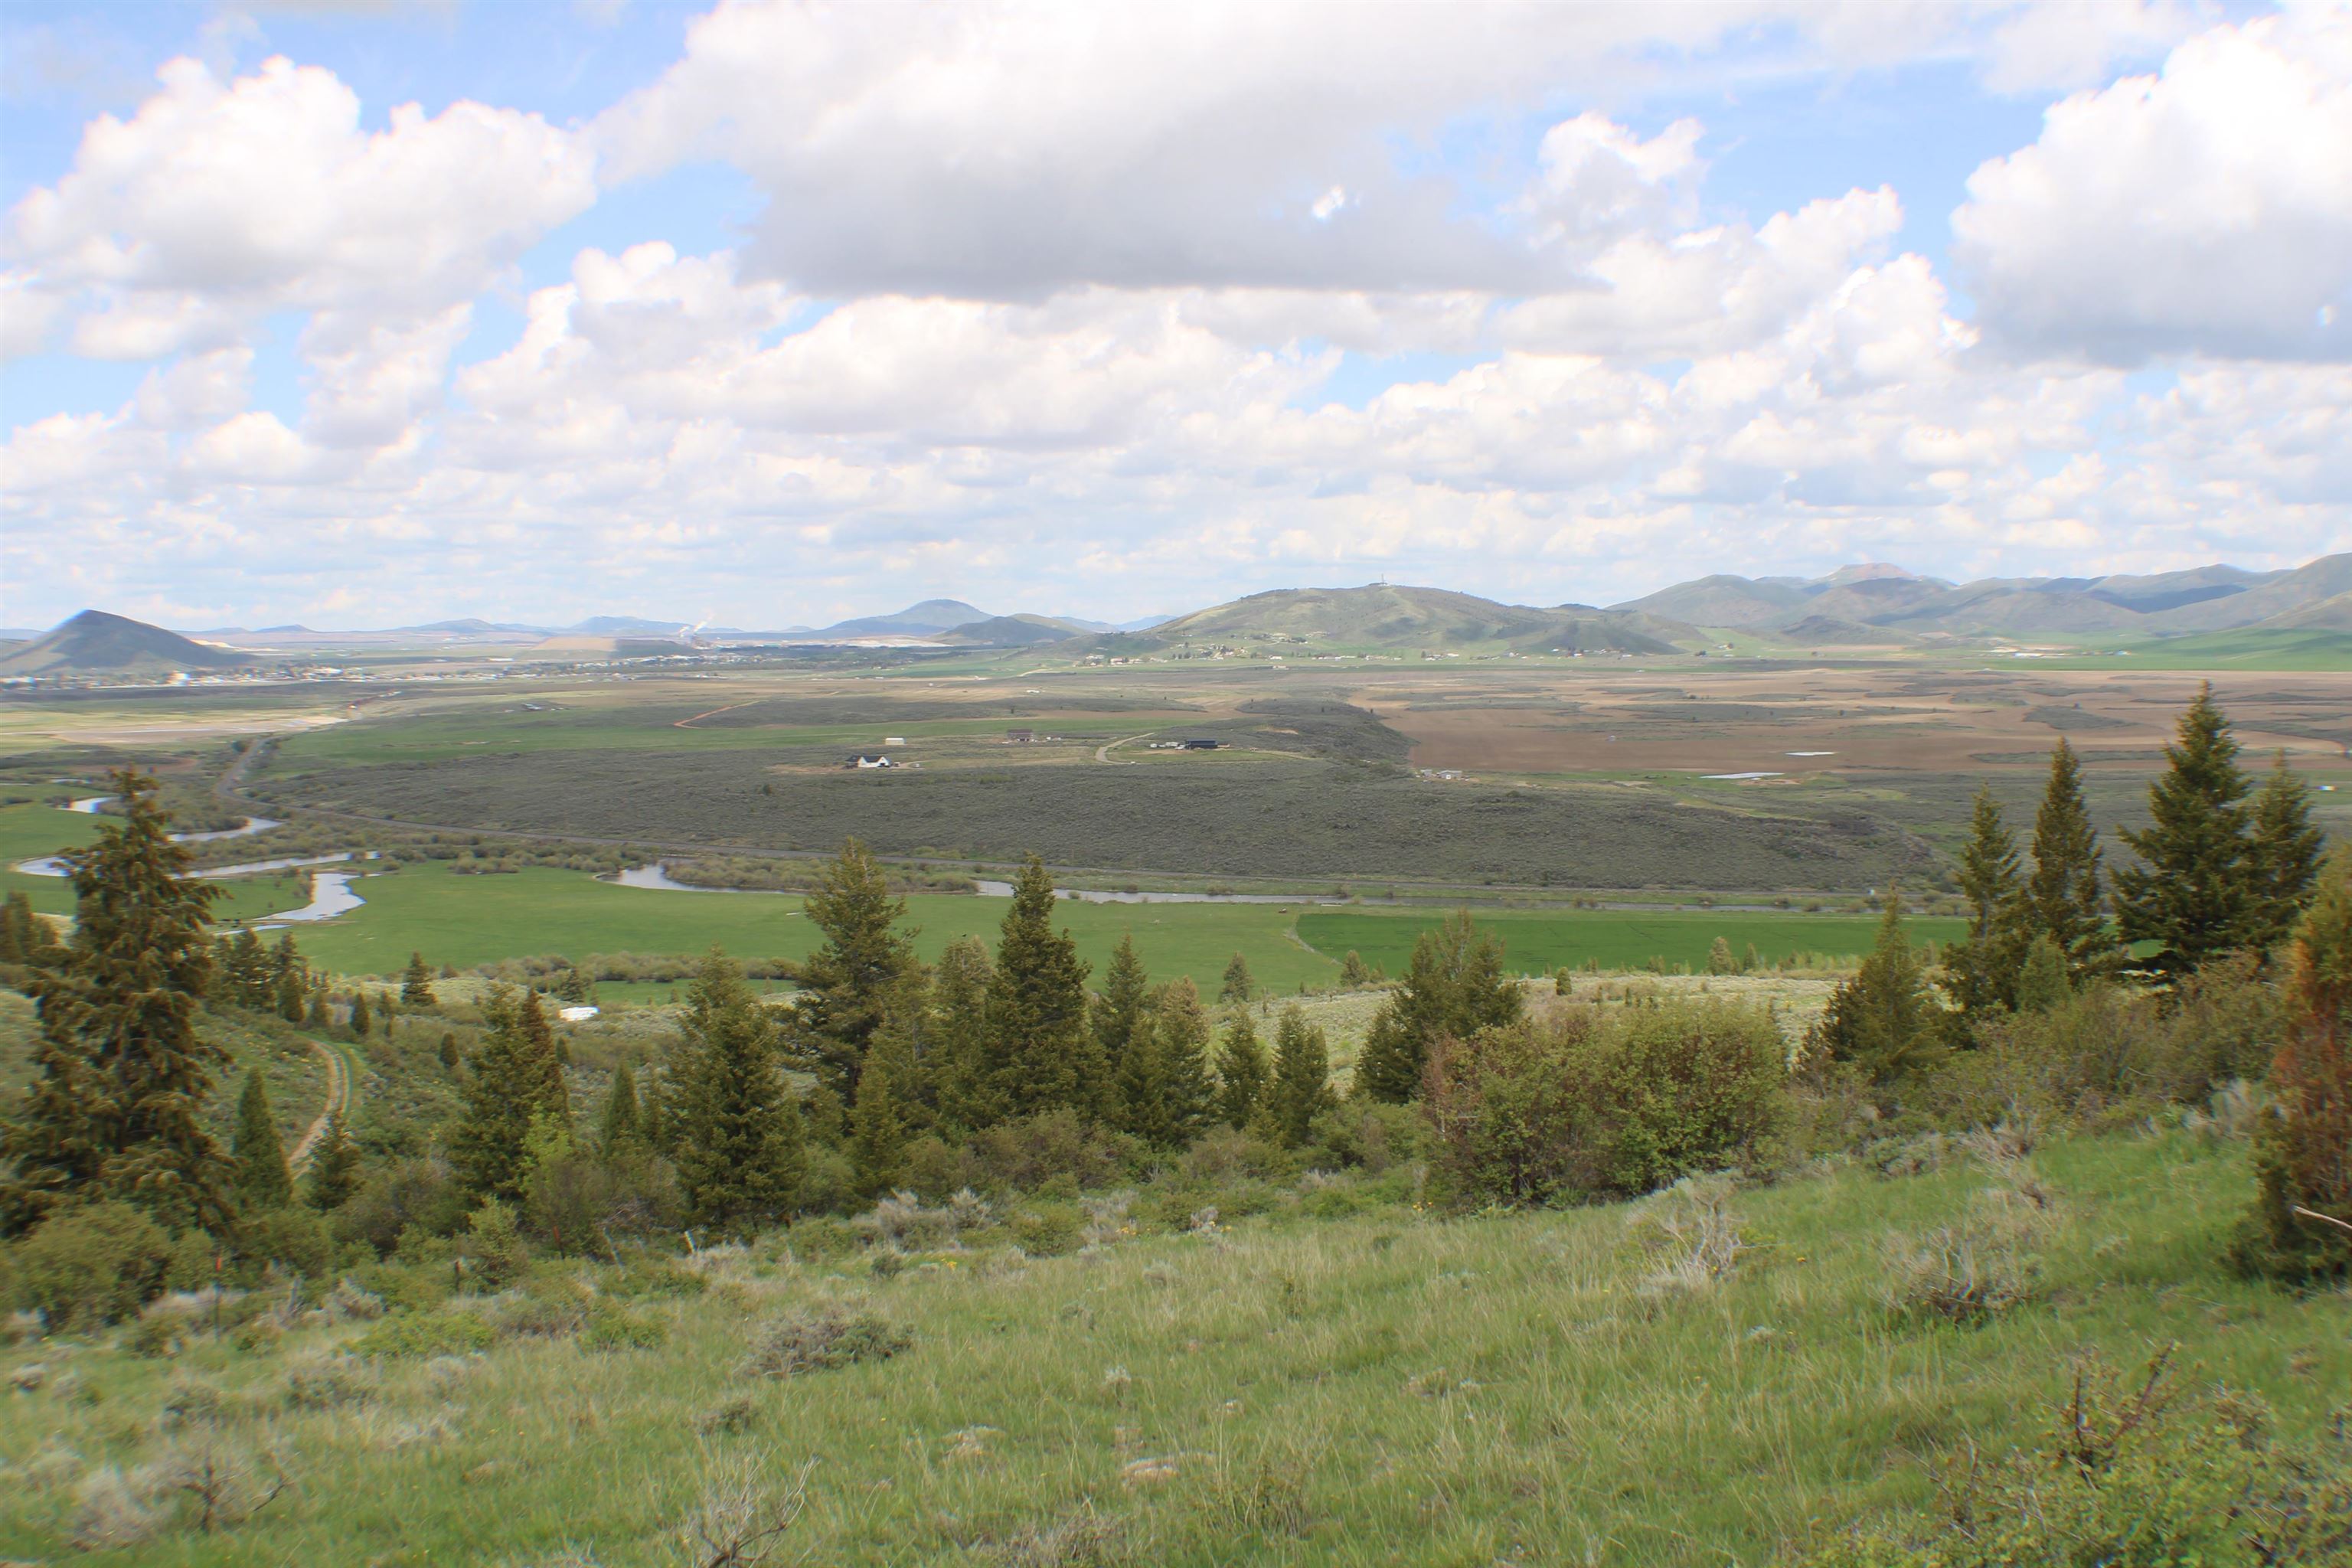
822	1340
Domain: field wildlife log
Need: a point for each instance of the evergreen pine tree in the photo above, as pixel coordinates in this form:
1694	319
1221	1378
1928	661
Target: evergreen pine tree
292	993
2042	979
967	1098
361	1020
1354	975
1301	1089
2196	892
1038	1055
846	983
448	1051
24	936
911	1043
1719	960
2303	1148
514	1081
416	982
1882	1019
319	1015
1981	971
617	1130
1241	1070
1185	1098
263	1179
1115	1017
2063	897
334	1172
878	1134
245	975
2287	853
1455	987
1238	987
120	1074
738	1138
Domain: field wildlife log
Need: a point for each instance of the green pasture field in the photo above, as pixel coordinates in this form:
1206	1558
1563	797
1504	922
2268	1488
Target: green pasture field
471	920
509	727
2284	650
1384	1388
1614	939
29	832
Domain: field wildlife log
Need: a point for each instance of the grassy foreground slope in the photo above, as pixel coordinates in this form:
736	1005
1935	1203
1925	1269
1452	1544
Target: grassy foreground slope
1385	1388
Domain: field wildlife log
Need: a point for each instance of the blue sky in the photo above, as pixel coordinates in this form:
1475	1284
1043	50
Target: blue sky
777	316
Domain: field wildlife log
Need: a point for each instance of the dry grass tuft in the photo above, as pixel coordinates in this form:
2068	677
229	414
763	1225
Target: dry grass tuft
1690	1234
1081	1539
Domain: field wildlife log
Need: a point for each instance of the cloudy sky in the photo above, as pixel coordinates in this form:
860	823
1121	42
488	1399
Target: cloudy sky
353	314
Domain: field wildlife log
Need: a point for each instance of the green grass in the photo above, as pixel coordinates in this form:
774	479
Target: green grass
2283	650
1388	1388
1615	939
467	920
28	832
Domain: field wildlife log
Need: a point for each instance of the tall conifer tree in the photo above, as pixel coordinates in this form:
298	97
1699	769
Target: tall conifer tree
1982	971
1883	1019
263	1178
739	1147
334	1172
1038	1053
967	1098
416	982
515	1082
1172	1097
1454	987
1301	1089
2196	893
120	1074
2287	851
2065	897
878	1132
1241	1070
618	1129
847	984
1121	1009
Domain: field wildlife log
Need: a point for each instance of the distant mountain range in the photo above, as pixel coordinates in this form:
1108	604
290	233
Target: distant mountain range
1855	607
1887	604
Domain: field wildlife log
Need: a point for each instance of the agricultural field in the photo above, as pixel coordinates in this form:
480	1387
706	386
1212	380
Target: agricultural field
1741	776
1614	939
1341	1379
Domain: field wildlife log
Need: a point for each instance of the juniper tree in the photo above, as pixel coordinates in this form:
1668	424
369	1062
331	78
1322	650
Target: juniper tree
1454	987
1882	1019
2196	892
264	1181
2064	896
1241	1070
1115	1016
334	1172
846	983
1980	971
1301	1089
120	1073
416	982
2287	852
1037	1053
737	1136
1238	986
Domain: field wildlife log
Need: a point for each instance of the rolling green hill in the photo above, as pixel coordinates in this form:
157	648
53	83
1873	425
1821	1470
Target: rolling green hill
1386	617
